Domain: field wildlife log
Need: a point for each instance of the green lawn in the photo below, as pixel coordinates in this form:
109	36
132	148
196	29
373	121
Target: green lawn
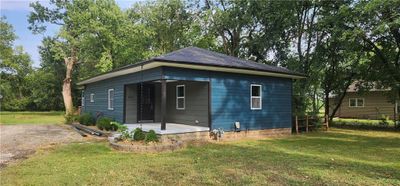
327	158
11	118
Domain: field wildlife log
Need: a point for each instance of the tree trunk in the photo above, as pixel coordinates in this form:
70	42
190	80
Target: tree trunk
337	106
326	104
67	88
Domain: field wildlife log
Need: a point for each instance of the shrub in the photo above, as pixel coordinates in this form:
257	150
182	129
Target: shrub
116	126
384	120
71	118
151	136
138	135
104	123
86	119
126	135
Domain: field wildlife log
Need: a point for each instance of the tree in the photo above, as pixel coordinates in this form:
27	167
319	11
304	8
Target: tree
169	25
68	15
15	66
376	25
45	82
229	22
111	40
7	38
90	35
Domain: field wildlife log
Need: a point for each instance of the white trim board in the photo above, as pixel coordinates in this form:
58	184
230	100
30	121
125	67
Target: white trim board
257	97
156	64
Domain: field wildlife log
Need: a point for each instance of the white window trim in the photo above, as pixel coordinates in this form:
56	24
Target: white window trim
83	99
92	98
181	97
110	107
356	106
251	96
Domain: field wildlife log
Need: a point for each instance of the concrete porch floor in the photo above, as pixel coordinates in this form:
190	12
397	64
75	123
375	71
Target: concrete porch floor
171	128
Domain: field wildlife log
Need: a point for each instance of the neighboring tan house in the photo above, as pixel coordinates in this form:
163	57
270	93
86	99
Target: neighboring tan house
372	104
194	87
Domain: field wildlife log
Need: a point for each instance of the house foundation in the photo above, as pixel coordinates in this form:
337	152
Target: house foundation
228	136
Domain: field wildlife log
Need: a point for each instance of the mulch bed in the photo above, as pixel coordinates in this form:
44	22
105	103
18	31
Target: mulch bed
142	147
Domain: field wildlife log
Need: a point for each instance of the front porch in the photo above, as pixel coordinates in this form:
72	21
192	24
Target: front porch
168	106
171	128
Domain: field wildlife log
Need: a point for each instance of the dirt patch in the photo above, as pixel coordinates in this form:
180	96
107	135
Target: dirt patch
19	141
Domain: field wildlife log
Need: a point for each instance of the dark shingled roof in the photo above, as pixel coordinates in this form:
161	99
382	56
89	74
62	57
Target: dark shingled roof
199	56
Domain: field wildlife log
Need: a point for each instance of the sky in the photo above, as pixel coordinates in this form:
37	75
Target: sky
16	13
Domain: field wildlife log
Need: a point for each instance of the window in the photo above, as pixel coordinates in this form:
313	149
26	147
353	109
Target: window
356	102
110	99
91	97
83	99
256	97
180	97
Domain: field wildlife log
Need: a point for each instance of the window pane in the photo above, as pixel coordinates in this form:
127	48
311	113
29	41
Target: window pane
256	102
255	91
181	103
352	102
360	102
83	98
111	99
180	91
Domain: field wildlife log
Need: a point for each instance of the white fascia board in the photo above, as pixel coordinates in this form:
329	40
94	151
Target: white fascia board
118	73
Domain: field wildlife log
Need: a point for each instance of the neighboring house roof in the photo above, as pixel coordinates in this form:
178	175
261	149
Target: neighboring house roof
195	58
373	87
355	87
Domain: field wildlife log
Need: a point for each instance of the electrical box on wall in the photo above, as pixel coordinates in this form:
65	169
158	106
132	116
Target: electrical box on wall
237	126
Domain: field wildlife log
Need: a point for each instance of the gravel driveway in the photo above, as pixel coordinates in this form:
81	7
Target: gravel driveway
19	141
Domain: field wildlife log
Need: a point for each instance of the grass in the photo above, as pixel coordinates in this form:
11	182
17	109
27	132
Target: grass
336	157
12	118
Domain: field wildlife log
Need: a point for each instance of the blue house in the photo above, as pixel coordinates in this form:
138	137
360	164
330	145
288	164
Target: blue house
194	87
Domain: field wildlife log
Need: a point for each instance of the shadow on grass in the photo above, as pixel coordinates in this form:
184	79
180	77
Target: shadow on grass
346	158
336	157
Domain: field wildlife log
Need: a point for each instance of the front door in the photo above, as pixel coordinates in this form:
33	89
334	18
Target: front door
145	103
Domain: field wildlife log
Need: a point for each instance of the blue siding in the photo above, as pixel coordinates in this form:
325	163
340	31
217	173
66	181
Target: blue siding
186	74
100	89
230	99
230	96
